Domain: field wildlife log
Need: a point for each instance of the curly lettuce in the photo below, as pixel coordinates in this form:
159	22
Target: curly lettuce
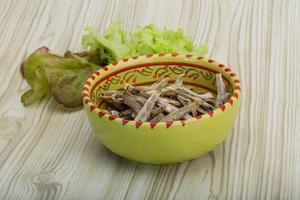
145	40
63	76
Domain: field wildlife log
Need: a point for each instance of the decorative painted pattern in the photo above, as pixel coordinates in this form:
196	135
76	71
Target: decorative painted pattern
93	88
156	71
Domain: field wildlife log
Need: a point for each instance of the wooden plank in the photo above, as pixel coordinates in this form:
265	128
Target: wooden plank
50	152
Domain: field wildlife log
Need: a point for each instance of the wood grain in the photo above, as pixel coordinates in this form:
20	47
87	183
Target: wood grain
50	152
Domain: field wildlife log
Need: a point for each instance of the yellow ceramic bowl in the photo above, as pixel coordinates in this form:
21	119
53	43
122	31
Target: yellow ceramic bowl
164	142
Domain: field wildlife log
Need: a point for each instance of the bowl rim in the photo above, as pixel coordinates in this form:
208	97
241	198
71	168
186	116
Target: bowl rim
89	83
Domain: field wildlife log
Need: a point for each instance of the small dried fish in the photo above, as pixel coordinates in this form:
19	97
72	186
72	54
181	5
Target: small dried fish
118	98
221	90
170	101
162	99
141	99
136	89
186	101
158	117
109	93
178	114
220	86
207	95
171	108
107	98
178	83
167	107
145	94
179	80
207	106
160	84
163	102
194	98
168	93
201	110
113	98
130	100
157	86
143	88
145	112
156	111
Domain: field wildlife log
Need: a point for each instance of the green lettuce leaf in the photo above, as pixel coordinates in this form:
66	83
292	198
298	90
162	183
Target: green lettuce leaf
113	45
116	43
63	77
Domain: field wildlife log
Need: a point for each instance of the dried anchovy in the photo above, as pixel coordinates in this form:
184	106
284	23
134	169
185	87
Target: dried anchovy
207	95
109	93
220	86
137	89
179	92
194	98
158	110
178	85
168	93
162	99
141	99
179	82
201	110
185	101
171	108
170	101
166	105
221	90
162	102
145	112
117	98
107	98
130	100
160	84
158	117
178	114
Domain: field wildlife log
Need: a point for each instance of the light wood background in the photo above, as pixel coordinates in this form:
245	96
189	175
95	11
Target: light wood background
49	152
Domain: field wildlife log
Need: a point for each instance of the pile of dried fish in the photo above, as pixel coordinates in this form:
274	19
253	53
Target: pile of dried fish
161	102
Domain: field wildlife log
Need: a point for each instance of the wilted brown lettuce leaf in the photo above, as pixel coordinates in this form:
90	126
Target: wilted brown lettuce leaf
63	77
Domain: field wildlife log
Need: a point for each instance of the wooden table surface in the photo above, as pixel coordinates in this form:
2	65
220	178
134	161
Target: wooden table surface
50	152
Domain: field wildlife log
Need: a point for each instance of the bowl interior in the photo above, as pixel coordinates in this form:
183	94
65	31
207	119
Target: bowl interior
201	78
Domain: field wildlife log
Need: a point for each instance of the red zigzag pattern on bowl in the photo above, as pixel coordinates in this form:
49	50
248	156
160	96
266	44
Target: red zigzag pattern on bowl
168	124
